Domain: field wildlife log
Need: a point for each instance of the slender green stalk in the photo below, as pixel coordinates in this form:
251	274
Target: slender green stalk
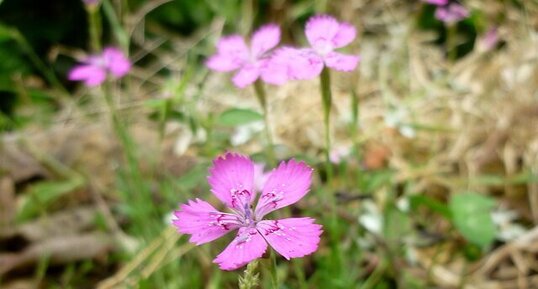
115	23
355	121
326	98
274	275
140	199
451	42
260	94
94	27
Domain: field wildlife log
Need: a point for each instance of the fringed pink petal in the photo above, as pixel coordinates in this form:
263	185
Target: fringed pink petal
247	246
116	61
341	62
265	39
232	53
345	35
292	237
223	63
320	30
277	69
286	185
203	222
437	2
232	180
92	75
246	76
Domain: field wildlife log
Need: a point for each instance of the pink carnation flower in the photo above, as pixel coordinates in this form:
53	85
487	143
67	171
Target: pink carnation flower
325	34
95	68
234	54
437	2
451	13
232	181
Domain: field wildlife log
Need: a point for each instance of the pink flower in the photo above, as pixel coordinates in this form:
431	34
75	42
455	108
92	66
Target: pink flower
232	181
437	2
489	40
325	34
95	68
234	54
451	13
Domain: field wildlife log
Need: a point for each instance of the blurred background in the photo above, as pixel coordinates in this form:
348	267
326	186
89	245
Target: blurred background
435	144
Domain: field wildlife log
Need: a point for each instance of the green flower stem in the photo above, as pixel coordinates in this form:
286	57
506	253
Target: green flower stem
94	27
451	42
137	194
261	95
326	97
274	275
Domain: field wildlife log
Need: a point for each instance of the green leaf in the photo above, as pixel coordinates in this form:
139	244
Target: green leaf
5	32
471	214
431	203
42	195
238	116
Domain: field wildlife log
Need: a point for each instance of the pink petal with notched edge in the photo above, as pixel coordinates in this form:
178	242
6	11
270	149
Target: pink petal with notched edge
222	63
92	75
304	63
260	177
287	184
345	35
341	62
265	39
203	222
116	61
277	70
246	76
230	174
292	237
320	31
247	246
437	2
232	53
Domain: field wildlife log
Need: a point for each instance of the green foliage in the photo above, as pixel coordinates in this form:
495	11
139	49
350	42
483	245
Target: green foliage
471	214
42	195
238	116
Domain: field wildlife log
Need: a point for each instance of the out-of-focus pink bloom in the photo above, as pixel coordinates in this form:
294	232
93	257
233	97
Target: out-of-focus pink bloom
437	2
489	40
234	54
232	181
325	34
338	154
451	13
95	68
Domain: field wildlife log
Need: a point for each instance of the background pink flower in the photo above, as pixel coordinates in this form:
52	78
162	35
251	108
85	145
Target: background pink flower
325	34
437	2
451	13
232	180
234	54
96	68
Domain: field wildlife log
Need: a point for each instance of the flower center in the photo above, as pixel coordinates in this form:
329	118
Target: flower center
323	46
241	202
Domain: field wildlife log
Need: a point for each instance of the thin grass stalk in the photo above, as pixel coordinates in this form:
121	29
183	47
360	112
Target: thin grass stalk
274	273
262	99
94	27
326	98
140	199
